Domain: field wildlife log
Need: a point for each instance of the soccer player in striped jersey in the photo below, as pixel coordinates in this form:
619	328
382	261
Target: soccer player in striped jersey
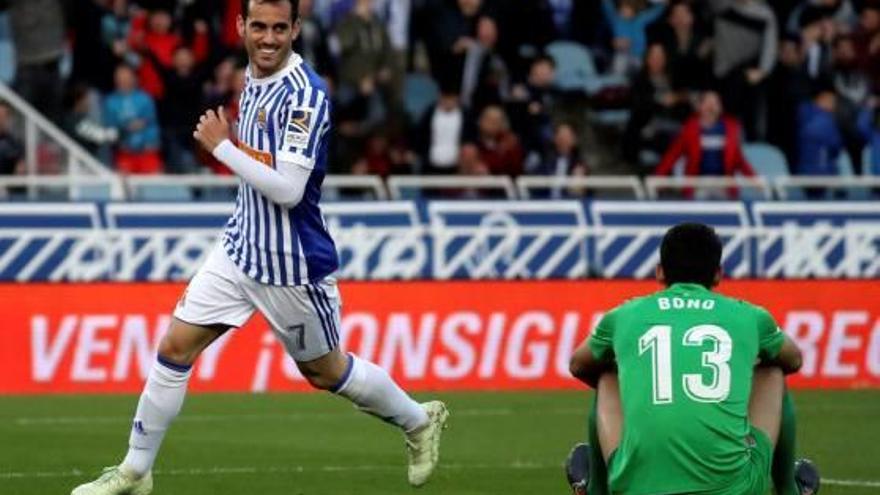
275	257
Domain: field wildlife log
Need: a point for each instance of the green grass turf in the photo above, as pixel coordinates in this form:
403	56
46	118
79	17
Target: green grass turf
498	443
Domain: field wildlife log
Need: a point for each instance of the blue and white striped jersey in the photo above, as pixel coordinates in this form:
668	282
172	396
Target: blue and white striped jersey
283	118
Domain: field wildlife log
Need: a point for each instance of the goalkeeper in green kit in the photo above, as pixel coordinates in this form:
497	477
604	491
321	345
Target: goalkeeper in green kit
690	389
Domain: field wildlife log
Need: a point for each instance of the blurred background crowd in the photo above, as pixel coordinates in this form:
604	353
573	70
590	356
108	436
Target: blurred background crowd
477	87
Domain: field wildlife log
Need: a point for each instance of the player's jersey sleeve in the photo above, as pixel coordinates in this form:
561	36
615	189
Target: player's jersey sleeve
307	122
770	336
602	339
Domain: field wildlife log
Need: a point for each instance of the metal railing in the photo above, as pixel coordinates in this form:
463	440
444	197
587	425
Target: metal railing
367	183
656	185
69	186
109	186
135	184
785	185
464	184
81	167
528	184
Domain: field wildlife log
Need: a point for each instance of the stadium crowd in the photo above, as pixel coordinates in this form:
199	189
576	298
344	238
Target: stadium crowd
553	87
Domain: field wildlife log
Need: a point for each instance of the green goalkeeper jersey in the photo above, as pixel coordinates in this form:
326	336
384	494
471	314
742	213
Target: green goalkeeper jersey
684	357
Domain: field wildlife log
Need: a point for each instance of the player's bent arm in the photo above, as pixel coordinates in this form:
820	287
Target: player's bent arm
789	357
586	367
284	186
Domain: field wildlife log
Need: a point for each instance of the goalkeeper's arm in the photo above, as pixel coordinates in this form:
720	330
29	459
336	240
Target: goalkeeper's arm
789	358
587	368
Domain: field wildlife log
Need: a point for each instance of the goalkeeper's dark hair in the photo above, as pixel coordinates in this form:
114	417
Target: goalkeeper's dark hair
690	253
294	7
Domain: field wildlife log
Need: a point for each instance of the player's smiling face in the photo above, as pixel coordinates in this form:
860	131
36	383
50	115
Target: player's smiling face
268	33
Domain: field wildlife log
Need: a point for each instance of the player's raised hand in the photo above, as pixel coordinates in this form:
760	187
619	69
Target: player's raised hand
212	129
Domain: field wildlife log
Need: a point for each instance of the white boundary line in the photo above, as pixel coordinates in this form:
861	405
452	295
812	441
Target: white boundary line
303	416
25	421
858	483
245	470
234	470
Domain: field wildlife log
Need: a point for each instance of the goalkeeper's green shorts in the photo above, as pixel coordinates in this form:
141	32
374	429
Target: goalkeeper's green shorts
756	479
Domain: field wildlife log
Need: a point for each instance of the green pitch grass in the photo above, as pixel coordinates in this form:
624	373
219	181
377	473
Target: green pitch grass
497	443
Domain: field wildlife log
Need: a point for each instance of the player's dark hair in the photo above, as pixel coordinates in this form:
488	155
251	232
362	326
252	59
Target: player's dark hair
294	7
690	253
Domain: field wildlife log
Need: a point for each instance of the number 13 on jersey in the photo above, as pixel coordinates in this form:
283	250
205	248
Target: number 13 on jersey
658	341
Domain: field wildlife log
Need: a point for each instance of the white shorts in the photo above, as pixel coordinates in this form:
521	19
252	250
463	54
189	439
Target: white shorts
305	318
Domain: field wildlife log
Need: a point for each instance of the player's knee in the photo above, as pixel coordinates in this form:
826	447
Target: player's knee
320	375
320	379
321	382
176	350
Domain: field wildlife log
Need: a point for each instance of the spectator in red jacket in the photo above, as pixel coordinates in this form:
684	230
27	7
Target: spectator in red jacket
710	143
154	35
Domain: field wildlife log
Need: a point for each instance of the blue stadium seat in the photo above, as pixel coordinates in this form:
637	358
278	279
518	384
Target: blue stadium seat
574	65
576	70
767	160
163	193
7	51
845	165
846	168
419	93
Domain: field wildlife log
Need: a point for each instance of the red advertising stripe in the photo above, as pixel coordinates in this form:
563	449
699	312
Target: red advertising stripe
430	335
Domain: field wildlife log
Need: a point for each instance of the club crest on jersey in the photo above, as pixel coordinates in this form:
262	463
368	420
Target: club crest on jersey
261	118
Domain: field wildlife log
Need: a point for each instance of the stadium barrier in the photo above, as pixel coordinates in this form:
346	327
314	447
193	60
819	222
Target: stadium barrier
564	239
398	185
531	186
371	185
76	184
80	338
856	187
750	187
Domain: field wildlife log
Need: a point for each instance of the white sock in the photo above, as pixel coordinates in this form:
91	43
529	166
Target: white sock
371	389
160	403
